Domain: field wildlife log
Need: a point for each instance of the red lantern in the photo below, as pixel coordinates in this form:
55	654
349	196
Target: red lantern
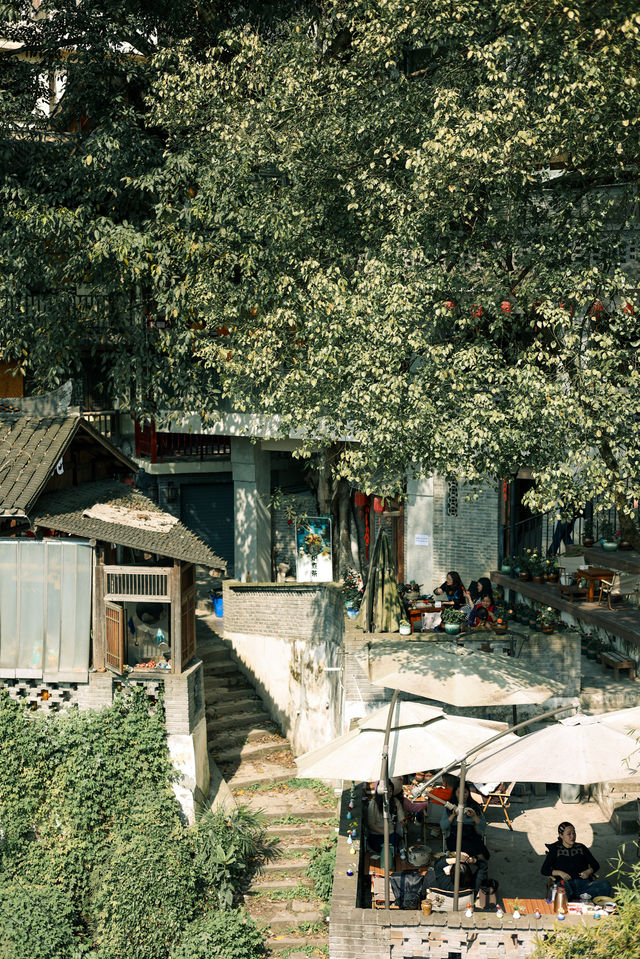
378	504
361	500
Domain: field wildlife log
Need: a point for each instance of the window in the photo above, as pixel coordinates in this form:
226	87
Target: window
452	498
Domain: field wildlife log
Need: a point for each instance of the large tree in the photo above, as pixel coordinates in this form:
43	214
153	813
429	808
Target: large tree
400	227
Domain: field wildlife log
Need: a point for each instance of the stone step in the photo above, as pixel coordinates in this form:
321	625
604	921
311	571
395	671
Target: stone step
212	655
304	837
244	719
232	707
217	671
297	947
277	885
225	694
250	751
289	867
234	738
306	814
284	915
251	773
214	683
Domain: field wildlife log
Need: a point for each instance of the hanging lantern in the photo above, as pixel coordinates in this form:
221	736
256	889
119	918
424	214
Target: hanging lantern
378	504
360	499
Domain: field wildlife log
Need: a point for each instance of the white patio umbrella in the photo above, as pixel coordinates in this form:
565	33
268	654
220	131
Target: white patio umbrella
623	720
452	674
581	749
420	737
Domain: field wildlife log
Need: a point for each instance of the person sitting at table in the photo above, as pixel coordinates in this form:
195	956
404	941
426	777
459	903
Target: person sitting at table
575	864
453	589
375	820
444	868
484	612
474	826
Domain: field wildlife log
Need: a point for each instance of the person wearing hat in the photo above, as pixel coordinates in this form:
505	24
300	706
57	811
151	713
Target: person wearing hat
574	864
375	819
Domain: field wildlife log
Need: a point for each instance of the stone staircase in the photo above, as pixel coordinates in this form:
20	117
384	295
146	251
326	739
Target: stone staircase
257	763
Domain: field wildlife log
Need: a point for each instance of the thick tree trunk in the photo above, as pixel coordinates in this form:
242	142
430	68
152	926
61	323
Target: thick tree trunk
345	558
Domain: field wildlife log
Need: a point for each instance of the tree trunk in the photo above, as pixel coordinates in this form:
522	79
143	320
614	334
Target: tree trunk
345	558
628	527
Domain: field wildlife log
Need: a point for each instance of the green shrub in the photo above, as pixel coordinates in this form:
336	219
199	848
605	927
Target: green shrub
230	934
36	921
230	848
321	868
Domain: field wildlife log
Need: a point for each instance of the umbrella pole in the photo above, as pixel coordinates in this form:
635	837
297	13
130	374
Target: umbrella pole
384	776
456	878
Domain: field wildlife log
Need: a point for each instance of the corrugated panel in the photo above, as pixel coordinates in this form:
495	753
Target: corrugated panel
45	609
208	509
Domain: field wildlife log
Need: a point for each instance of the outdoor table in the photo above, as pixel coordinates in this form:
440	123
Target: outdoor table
428	615
530	905
593	575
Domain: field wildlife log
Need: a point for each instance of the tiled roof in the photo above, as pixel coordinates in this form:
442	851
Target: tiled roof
30	447
65	511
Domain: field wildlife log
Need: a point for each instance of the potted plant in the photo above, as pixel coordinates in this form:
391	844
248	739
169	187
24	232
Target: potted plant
551	573
548	619
518	909
523	565
507	565
352	592
452	620
501	625
404	627
587	533
537	566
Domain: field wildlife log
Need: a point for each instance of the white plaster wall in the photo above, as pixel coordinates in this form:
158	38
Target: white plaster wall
419	521
190	757
300	690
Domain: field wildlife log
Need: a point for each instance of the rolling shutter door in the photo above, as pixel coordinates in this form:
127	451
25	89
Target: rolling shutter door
207	509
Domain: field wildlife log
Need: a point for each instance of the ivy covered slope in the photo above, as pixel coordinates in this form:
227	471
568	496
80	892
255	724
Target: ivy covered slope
95	858
404	224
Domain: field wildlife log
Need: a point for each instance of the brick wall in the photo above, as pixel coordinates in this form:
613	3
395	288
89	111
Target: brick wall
467	542
283	535
300	610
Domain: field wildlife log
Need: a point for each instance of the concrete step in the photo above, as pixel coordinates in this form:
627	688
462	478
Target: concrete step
309	815
262	884
244	719
225	694
233	707
250	751
282	916
230	680
624	819
290	867
211	653
251	773
217	671
298	947
235	738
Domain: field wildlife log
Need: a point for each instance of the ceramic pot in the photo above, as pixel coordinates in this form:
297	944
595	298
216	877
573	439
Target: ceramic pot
548	629
552	577
524	575
405	630
353	613
500	629
451	628
538	578
609	546
506	569
587	541
624	544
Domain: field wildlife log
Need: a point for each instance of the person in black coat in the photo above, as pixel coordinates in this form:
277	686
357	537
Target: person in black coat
574	864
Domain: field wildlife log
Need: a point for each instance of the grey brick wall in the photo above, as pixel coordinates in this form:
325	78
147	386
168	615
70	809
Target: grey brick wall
467	542
299	610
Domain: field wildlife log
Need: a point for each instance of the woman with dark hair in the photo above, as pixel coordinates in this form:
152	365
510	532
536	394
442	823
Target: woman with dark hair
474	826
453	589
477	592
574	864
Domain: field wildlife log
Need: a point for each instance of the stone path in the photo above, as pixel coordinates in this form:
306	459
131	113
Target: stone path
257	763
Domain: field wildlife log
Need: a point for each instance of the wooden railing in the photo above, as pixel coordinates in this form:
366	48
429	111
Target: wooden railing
139	582
159	446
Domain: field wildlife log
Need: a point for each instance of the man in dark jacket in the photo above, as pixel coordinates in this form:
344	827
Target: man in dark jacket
574	864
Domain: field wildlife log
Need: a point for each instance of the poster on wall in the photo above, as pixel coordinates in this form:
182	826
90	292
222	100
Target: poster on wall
313	550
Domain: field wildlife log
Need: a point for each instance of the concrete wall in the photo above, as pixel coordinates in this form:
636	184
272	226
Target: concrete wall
251	467
288	639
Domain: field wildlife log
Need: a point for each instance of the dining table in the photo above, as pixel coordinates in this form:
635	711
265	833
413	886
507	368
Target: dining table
593	575
426	613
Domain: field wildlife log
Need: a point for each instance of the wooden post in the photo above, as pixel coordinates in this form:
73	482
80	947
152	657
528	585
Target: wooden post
97	611
176	617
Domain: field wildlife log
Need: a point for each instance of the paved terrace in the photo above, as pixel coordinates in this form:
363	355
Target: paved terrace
516	858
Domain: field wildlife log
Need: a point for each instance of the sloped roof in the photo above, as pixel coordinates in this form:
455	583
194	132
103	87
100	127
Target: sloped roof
115	513
30	447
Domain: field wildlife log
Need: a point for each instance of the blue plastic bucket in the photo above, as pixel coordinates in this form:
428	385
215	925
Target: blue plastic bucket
217	606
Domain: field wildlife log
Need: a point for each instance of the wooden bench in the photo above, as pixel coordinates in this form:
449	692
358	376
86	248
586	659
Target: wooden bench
617	662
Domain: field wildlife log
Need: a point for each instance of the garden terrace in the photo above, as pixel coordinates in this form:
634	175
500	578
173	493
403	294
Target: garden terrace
623	622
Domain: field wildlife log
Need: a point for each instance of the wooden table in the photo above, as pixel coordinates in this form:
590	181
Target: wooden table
415	612
593	575
530	905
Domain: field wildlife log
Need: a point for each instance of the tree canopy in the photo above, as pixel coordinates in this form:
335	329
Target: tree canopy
406	229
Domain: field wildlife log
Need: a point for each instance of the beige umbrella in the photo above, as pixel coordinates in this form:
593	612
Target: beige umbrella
624	720
580	749
420	737
452	674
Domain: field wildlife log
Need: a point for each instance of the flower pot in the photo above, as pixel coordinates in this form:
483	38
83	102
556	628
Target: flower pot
500	628
405	630
548	629
552	577
506	569
524	575
624	544
451	628
610	546
587	541
538	578
352	613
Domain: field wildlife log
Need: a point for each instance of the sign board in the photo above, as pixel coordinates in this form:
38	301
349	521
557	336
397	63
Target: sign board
314	563
422	539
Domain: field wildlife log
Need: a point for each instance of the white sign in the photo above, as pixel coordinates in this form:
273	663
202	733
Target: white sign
422	539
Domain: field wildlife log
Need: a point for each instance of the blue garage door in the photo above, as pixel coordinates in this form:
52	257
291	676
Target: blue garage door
207	509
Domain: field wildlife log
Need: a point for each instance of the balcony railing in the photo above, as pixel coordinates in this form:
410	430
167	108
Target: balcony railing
159	446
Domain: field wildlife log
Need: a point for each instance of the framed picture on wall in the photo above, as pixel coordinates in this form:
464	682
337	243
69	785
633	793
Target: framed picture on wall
314	550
